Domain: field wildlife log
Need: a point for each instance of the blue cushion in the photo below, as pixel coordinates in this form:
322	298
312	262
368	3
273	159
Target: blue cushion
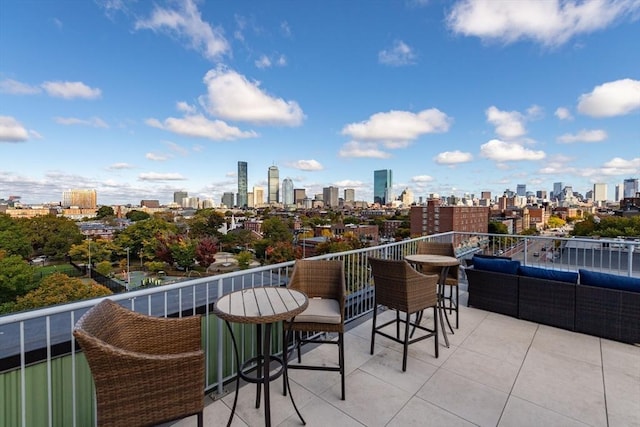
611	281
548	274
498	265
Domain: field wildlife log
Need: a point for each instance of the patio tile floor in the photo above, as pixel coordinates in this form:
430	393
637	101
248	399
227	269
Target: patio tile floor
499	371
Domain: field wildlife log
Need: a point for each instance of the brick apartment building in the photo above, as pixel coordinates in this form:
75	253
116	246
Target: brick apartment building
432	218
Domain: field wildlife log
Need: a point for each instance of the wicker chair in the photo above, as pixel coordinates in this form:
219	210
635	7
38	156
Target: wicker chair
451	282
324	284
400	287
146	370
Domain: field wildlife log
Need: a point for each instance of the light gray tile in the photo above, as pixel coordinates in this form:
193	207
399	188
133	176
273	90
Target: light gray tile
420	413
577	346
370	400
623	397
319	413
564	385
475	402
621	356
387	365
484	369
520	413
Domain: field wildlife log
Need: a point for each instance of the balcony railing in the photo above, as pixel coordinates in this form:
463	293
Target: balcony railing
45	380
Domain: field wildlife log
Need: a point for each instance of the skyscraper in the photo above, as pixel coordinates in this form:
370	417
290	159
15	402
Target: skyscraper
557	190
287	192
299	194
258	196
83	199
242	184
599	192
349	195
227	199
330	196
382	186
630	187
273	184
521	190
178	196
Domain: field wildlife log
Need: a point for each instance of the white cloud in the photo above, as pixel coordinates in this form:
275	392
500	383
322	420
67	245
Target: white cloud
509	124
12	130
595	135
398	126
362	149
263	62
154	176
119	166
307	165
422	178
232	97
200	127
157	157
14	87
95	122
70	90
453	157
619	166
549	22
563	113
400	54
186	107
610	99
186	23
285	28
502	151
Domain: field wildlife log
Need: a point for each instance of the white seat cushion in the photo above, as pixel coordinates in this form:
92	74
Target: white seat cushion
320	311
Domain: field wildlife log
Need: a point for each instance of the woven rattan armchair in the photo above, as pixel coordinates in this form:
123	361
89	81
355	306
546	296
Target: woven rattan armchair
451	282
323	282
400	287
146	370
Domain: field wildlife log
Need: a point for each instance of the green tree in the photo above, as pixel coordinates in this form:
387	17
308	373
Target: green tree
104	268
184	252
104	212
140	237
13	238
555	222
275	230
99	250
136	215
16	277
59	288
205	223
51	235
244	259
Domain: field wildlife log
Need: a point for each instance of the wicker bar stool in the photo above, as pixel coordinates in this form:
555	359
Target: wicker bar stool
400	287
324	284
451	282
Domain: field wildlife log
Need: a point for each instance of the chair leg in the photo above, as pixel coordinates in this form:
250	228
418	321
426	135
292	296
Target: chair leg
435	329
406	342
373	329
201	419
341	361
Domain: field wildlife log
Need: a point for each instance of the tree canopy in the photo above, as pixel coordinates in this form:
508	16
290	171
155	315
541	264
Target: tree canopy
16	277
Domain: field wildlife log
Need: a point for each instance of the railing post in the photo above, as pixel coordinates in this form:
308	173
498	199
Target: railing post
220	358
630	248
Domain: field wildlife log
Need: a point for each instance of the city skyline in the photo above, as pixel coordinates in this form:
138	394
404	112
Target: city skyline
138	100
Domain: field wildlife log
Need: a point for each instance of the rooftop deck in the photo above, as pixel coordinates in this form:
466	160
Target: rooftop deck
499	371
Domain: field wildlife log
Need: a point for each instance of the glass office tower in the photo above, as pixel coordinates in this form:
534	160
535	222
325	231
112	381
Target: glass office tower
382	186
273	183
242	185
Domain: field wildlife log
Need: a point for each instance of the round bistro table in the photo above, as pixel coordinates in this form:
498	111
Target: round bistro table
444	262
262	306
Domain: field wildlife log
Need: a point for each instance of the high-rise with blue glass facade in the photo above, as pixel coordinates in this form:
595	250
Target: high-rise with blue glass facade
382	186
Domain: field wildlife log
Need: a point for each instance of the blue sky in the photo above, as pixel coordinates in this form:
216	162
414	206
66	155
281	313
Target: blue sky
138	99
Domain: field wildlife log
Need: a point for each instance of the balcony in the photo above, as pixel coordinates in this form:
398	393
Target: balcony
498	370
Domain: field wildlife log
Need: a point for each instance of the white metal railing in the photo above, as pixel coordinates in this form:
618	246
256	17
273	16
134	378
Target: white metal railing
43	336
